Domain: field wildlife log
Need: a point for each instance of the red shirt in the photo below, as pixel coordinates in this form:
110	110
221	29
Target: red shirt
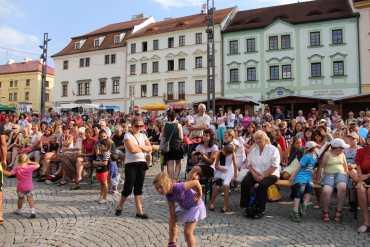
363	159
282	143
88	145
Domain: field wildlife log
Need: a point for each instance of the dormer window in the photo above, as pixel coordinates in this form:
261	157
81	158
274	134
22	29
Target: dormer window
96	43
116	39
77	45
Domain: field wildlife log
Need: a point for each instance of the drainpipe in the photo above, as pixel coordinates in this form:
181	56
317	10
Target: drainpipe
359	54
222	65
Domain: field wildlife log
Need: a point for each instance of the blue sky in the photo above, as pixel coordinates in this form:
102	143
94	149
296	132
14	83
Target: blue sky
23	22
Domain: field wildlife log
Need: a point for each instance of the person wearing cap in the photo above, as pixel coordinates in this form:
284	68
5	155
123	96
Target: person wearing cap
334	166
364	130
362	160
301	179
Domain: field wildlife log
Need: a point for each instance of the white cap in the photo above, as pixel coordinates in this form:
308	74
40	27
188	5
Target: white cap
338	143
322	121
311	145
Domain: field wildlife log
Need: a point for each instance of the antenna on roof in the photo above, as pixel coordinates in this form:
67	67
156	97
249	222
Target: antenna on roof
138	16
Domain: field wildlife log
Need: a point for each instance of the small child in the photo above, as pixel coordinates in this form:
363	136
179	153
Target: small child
103	153
114	175
302	179
190	210
226	170
23	172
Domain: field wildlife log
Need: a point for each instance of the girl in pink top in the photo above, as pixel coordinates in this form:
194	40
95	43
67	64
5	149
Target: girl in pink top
23	172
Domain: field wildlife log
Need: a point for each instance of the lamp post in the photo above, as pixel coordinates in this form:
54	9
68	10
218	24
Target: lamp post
43	58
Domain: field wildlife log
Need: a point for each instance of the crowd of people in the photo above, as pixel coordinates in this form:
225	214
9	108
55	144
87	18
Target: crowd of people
318	153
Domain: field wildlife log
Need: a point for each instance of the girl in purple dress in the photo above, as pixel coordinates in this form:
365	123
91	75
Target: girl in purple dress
190	207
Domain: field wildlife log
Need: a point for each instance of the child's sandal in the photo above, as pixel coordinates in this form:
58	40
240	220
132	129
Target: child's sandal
338	216
1	222
325	216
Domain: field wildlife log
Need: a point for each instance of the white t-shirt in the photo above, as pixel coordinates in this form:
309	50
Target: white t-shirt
207	151
239	151
35	137
231	120
138	140
270	156
198	121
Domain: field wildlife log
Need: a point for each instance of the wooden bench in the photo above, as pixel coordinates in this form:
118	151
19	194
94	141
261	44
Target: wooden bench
286	183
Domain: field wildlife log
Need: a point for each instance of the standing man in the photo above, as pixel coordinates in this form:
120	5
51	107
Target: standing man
201	122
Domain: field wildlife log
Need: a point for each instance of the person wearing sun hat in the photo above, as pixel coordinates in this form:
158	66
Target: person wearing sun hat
335	168
302	179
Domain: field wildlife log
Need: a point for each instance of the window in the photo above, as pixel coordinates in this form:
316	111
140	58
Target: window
82	62
144	68
170	65
338	68
115	86
233	47
171	42
15	83
155	90
155	67
234	75
182	40
198	62
83	88
47	97
315	39
87	62
286	71
170	91
28	82
27	96
143	91
1	84
181	90
132	69
46	84
182	64
102	87
274	72
106	59
65	90
77	45
285	41
155	44
65	65
315	69
337	36
132	91
198	87
144	46
251	45
251	74
198	38
96	43
15	96
11	84
133	48
273	43
116	39
10	96
113	58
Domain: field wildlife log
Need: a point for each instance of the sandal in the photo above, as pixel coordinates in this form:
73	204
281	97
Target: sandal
226	211
62	183
338	216
325	216
363	229
211	208
1	222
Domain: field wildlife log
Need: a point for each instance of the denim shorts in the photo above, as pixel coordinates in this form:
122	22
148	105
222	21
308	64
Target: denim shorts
333	179
299	190
24	194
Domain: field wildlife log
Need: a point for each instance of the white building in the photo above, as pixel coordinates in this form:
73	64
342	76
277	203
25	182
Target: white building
167	60
91	69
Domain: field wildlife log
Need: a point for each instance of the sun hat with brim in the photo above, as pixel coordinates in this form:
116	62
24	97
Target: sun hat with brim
354	135
310	145
322	121
338	143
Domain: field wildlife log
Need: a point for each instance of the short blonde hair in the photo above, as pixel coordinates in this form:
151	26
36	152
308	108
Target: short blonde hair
162	179
22	158
261	134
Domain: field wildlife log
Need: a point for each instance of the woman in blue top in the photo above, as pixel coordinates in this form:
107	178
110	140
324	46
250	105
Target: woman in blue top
302	180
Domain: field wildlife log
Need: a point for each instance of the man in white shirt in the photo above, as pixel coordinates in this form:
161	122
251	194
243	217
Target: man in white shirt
103	126
201	122
230	119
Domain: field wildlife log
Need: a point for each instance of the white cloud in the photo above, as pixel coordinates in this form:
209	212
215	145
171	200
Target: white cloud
8	8
12	38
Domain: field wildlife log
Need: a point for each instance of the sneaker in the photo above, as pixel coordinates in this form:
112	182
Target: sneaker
32	216
142	216
118	212
102	201
295	217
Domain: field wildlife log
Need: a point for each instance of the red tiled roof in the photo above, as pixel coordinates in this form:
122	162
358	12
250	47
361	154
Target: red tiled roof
296	13
108	31
181	23
23	67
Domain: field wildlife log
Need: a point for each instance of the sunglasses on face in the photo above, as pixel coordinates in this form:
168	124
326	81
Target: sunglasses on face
138	126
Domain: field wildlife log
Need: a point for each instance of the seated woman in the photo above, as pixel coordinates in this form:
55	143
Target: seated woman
14	144
263	162
334	166
363	177
204	156
45	142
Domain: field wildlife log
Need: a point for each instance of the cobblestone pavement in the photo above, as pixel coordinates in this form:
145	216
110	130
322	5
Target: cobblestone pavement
74	218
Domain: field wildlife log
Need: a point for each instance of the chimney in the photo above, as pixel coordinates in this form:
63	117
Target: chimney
11	61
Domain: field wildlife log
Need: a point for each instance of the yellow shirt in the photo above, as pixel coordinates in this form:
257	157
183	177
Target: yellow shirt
335	164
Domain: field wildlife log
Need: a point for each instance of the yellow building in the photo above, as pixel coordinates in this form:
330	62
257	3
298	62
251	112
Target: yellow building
20	85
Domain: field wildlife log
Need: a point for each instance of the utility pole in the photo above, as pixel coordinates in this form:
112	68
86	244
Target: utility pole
211	87
44	57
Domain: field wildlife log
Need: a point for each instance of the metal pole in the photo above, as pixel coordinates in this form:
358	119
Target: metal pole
211	86
44	57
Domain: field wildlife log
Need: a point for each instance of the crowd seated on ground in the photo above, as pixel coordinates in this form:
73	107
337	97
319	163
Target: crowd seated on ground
315	152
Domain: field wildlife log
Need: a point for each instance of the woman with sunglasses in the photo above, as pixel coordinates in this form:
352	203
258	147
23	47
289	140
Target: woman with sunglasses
137	147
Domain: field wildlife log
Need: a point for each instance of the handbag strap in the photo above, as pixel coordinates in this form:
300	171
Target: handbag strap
172	133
